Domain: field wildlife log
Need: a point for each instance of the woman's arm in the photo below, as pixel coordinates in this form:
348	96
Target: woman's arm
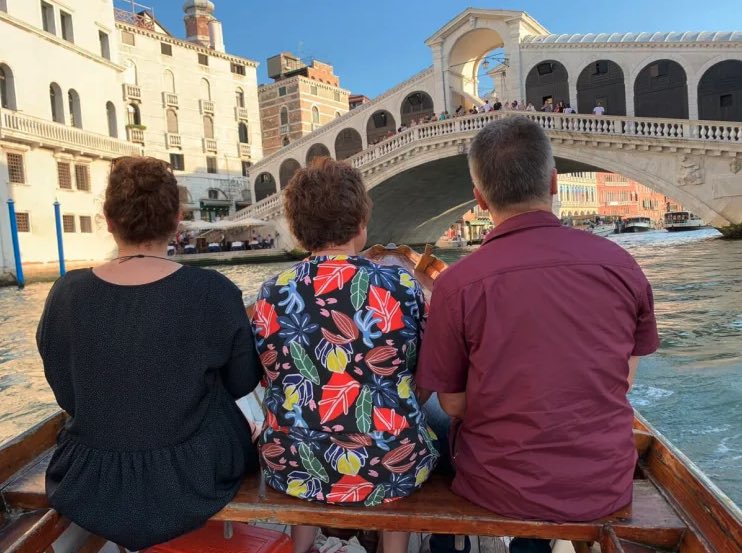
241	375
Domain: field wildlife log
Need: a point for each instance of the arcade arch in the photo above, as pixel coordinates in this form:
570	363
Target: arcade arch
347	144
265	185
316	151
661	90
602	81
287	170
720	92
379	125
416	105
547	81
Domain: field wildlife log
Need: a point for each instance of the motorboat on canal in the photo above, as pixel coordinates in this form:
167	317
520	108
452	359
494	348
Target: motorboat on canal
634	224
681	221
675	507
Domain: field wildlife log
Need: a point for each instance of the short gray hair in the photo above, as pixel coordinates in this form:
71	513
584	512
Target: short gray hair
512	162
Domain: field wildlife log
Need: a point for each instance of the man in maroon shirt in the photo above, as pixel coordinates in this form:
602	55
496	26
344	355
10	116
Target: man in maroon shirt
532	344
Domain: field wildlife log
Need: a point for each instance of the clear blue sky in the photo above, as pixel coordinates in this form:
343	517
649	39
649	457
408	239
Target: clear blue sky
375	44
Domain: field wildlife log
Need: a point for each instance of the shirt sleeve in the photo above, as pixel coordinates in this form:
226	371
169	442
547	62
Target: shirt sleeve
444	358
242	372
646	339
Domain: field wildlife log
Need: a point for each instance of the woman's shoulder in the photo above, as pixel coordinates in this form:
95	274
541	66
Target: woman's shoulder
214	280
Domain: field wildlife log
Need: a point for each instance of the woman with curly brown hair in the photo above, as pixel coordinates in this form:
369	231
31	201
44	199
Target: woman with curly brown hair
338	336
147	357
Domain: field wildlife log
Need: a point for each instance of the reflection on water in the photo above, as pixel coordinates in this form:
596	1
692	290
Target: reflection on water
691	390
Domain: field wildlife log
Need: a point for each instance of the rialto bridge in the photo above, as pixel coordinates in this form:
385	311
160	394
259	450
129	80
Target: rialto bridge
673	121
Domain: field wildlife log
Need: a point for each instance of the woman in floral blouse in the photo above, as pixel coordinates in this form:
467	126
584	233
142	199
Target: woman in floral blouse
338	337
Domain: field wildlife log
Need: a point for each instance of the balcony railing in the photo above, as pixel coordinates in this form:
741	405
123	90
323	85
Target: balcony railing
18	127
284	129
207	107
170	100
135	135
243	149
132	93
240	114
210	145
173	140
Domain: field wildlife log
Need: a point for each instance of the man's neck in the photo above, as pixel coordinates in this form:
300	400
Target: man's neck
499	217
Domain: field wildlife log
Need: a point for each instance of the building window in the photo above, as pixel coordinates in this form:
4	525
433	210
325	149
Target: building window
67	32
203	59
113	130
3	6
177	162
64	175
205	90
601	68
284	117
172	121
82	177
134	115
105	47
47	18
726	100
7	88
73	99
240	98
16	172
237	69
246	168
208	127
243	134
282	91
337	96
213	194
211	165
166	49
169	81
128	38
23	222
55	97
313	90
315	115
86	224
68	223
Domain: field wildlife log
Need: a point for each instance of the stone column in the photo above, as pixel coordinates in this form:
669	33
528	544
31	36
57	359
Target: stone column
440	70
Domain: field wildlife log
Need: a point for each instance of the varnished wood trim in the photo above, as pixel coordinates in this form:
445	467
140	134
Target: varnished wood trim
609	541
41	535
20	451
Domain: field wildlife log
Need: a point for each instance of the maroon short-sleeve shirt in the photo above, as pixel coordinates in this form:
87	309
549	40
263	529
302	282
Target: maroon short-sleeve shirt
537	327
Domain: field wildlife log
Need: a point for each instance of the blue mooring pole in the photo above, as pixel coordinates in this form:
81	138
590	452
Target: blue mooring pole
16	246
60	241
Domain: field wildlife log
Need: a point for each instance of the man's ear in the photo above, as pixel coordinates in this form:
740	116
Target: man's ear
481	202
554	182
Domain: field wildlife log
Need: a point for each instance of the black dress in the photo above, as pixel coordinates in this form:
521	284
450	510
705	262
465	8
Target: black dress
149	374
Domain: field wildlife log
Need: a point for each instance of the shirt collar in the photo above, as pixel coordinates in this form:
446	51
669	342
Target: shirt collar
523	221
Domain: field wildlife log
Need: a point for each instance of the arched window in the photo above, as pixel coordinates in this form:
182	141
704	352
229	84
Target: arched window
242	131
169	81
284	116
134	116
205	90
239	97
7	88
208	127
57	104
315	115
172	121
73	100
112	123
130	75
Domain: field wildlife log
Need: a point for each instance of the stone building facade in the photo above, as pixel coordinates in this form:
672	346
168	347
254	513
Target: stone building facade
300	100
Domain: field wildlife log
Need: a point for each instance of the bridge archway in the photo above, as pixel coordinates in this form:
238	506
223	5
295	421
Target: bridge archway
265	185
547	80
602	81
316	151
379	125
720	92
287	170
416	105
466	57
348	143
661	90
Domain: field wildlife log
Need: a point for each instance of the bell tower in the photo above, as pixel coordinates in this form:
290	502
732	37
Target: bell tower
199	15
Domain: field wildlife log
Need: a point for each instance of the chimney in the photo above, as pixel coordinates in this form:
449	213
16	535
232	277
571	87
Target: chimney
198	17
216	34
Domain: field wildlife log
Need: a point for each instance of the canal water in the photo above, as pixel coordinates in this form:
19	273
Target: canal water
691	390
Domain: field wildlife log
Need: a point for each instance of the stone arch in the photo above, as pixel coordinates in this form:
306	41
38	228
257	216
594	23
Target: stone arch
242	133
130	73
205	87
547	80
111	118
286	171
169	81
317	150
602	81
208	126
379	125
720	92
239	97
465	56
75	110
171	117
348	143
661	90
416	105
265	185
57	103
134	115
7	88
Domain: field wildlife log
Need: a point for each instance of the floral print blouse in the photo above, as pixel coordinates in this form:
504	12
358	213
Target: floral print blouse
338	339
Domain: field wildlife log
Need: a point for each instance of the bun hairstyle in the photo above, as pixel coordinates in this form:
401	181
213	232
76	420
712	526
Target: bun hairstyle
142	200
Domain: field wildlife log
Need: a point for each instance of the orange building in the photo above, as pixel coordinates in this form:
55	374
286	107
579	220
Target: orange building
622	197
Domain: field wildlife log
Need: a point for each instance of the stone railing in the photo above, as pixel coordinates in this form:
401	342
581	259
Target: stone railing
170	100
135	135
207	107
241	114
244	150
210	145
173	140
578	125
132	92
23	128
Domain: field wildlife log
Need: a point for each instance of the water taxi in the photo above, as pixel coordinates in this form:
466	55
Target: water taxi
636	224
680	221
675	507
